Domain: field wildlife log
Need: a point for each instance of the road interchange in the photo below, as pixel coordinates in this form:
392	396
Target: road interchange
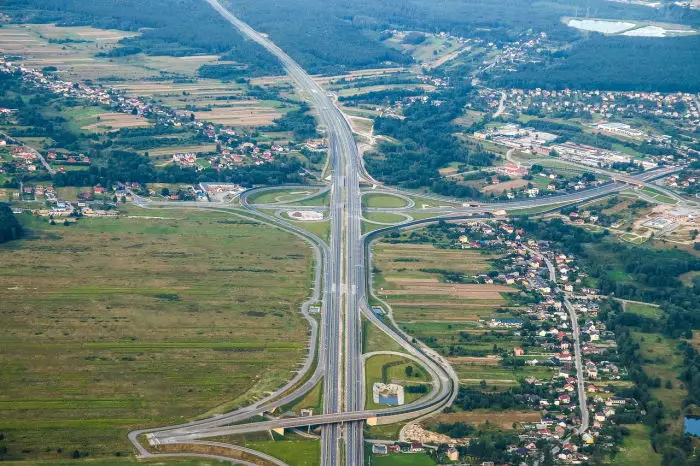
342	273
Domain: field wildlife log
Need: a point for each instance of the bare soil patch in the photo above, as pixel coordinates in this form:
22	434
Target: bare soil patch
491	360
503	419
504	186
486	291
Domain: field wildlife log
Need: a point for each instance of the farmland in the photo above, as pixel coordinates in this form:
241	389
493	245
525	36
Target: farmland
152	320
436	298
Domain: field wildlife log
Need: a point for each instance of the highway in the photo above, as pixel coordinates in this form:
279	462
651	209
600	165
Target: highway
342	267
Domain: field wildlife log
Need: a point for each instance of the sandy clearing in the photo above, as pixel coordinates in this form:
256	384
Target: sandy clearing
440	304
415	281
491	360
505	186
504	419
116	121
180	149
486	291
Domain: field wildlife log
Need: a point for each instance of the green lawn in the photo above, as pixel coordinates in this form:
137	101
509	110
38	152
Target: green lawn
392	369
403	459
122	323
295	452
383	200
384	217
658	195
117	462
374	339
322	229
279	195
636	448
312	400
320	200
645	310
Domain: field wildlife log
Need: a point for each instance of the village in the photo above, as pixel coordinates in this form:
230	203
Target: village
562	334
680	106
233	146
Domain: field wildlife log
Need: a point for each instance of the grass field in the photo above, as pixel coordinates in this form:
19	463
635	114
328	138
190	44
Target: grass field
402	459
645	310
295	451
658	195
373	339
118	462
503	419
409	277
94	119
661	358
392	369
312	400
113	324
636	448
382	200
384	217
280	195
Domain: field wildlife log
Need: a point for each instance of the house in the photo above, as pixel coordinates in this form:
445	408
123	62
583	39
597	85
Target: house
394	448
565	356
615	401
518	352
380	449
564	399
416	447
453	454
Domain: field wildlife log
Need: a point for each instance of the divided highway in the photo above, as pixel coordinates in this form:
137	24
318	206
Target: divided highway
343	269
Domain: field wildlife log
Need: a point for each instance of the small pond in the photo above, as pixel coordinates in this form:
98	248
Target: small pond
691	425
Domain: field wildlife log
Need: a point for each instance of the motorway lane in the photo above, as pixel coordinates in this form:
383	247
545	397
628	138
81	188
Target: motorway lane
345	211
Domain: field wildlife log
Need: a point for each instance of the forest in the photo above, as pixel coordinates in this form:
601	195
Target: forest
332	36
617	64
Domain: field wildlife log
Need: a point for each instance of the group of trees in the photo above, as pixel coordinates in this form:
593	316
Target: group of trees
10	228
301	123
426	142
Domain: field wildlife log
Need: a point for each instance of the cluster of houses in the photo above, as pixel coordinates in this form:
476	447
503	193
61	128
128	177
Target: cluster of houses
22	158
548	341
96	202
62	158
228	157
600	104
684	180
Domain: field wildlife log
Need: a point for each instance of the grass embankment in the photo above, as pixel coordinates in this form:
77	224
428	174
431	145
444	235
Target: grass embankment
386	368
383	201
114	324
